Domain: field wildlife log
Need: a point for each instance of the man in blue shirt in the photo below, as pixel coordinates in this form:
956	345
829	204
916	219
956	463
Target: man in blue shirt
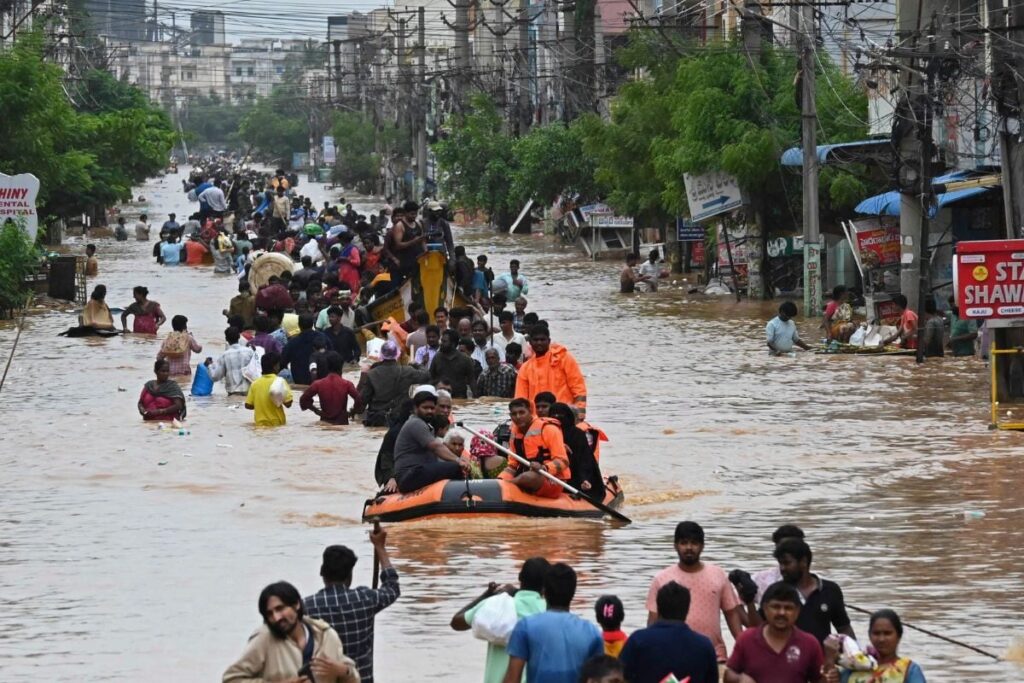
781	331
669	646
170	251
552	646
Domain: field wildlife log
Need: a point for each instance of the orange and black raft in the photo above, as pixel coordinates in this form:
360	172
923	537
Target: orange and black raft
483	497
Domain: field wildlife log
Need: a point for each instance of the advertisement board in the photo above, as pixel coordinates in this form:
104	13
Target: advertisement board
988	278
329	151
878	242
18	201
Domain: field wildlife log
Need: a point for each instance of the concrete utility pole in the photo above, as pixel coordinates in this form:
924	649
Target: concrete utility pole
337	70
524	106
599	58
1006	60
809	129
462	54
421	104
909	18
751	29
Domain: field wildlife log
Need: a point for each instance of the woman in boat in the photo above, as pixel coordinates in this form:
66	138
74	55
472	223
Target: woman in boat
148	315
838	318
885	630
586	473
161	398
96	313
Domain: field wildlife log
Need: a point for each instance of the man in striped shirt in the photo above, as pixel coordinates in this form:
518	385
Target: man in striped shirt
351	611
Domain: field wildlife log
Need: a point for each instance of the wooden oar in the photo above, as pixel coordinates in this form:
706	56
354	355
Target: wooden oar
376	557
550	477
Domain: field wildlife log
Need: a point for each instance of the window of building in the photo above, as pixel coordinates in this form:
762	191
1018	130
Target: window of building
252	71
280	69
238	71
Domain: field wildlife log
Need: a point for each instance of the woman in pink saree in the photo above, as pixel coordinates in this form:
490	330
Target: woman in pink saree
162	398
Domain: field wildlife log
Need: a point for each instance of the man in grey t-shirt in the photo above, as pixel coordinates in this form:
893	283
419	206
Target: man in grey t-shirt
420	457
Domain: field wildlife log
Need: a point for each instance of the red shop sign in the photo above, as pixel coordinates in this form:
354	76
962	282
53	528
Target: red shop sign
988	277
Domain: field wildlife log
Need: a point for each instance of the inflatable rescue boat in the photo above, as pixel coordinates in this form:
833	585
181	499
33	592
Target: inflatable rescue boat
483	497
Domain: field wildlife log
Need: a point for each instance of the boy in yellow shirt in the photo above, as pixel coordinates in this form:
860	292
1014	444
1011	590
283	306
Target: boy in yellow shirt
268	405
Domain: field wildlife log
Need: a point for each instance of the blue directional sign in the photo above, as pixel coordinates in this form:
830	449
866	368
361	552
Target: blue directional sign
711	194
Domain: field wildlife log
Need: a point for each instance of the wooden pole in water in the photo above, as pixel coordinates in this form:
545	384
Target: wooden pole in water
14	347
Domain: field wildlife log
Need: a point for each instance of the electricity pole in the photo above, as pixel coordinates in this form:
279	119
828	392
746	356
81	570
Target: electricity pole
421	105
525	106
809	127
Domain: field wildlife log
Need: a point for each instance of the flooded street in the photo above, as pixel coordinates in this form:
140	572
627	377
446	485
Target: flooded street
115	566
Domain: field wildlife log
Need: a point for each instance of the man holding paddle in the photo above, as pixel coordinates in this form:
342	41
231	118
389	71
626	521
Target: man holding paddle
538	440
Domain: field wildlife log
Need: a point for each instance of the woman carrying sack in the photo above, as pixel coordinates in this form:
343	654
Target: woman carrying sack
178	347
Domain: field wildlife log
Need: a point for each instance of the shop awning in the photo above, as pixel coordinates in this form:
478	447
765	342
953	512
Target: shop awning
837	153
888	203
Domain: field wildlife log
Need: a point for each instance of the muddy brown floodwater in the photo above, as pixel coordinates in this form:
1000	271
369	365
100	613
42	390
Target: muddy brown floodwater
115	566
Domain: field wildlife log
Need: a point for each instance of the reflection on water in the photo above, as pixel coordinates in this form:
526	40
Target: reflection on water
129	553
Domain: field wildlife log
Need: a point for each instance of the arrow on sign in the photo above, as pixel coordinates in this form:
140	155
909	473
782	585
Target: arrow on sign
720	201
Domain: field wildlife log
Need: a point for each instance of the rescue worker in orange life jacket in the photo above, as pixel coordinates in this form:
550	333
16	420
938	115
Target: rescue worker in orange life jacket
538	440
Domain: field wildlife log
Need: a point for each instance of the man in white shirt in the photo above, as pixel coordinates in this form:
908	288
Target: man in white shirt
650	271
508	333
481	343
230	365
213	198
142	229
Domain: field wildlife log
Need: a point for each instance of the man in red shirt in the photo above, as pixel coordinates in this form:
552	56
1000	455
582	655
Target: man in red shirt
540	442
778	652
334	392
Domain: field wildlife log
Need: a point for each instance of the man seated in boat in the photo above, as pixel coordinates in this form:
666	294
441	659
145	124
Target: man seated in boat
421	458
538	440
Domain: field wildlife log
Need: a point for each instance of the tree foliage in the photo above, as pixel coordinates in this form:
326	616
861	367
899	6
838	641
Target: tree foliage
475	160
18	259
276	127
210	120
360	147
714	108
88	154
484	169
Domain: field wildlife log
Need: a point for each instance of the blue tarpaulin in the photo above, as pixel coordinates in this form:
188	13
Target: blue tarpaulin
794	156
888	203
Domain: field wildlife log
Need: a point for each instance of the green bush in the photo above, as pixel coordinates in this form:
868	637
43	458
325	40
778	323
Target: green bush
19	258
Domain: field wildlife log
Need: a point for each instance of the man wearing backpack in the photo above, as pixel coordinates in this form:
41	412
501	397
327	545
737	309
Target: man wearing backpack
526	601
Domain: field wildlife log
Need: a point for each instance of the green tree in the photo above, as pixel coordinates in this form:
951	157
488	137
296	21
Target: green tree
38	125
18	259
275	128
549	161
85	156
210	120
476	160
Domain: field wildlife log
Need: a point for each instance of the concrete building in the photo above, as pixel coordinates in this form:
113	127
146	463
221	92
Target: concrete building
208	28
123	20
168	74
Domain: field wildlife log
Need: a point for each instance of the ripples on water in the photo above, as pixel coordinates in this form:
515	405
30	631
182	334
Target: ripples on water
116	567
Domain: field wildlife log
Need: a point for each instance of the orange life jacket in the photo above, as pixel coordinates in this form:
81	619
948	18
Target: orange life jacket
542	442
